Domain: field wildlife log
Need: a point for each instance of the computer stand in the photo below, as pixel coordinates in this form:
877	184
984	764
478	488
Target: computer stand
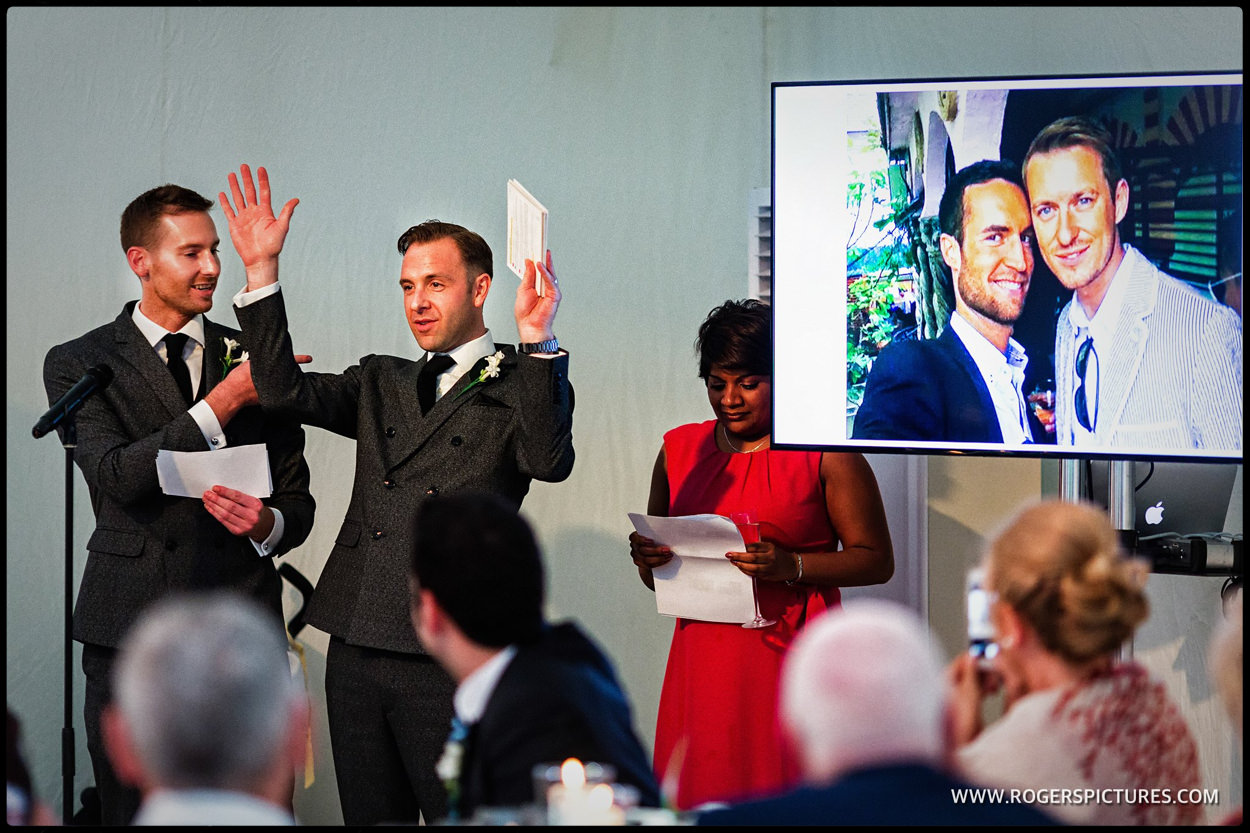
1120	497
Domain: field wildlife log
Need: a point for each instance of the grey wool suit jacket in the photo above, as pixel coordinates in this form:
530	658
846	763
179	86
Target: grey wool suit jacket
145	543
493	437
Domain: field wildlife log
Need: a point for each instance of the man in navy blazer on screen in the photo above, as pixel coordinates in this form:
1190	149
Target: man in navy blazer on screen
491	419
180	384
966	385
529	692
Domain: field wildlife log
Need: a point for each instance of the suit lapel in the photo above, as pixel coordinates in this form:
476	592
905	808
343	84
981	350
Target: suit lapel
404	394
986	410
214	346
1118	371
131	347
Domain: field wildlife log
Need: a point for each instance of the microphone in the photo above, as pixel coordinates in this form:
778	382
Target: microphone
94	380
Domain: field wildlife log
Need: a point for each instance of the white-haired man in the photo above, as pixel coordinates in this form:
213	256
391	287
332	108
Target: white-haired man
863	699
208	721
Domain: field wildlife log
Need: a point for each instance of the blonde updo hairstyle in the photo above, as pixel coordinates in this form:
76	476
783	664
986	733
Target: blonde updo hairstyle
1060	567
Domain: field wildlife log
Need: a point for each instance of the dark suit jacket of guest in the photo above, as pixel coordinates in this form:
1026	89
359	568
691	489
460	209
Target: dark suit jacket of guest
494	437
929	389
896	795
558	698
146	543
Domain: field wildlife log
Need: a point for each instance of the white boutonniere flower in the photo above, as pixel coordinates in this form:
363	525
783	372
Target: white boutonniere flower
492	370
228	357
448	766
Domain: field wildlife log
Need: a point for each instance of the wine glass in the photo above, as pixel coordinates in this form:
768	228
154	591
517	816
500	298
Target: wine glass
749	528
1042	401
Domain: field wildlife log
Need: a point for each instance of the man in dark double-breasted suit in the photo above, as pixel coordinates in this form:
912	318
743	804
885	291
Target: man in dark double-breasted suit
494	421
529	692
147	544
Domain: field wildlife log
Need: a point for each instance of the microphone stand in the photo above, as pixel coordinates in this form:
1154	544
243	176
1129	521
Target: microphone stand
70	441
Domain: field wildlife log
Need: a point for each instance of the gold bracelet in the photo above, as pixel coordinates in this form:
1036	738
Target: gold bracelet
798	559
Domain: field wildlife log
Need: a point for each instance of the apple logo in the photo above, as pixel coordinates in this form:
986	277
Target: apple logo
1154	515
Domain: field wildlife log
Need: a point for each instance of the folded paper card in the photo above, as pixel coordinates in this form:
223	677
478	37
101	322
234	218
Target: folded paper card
699	582
192	473
527	232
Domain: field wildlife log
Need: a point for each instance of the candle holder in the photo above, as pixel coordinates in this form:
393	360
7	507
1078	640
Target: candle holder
574	793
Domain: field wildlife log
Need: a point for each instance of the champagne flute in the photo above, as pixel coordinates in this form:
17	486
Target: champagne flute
749	528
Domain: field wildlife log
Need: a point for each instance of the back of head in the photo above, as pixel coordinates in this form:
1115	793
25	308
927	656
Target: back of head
952	208
143	215
474	250
205	687
1059	565
1073	132
737	335
479	559
862	686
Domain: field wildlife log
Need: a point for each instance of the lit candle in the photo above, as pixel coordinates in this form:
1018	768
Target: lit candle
573	802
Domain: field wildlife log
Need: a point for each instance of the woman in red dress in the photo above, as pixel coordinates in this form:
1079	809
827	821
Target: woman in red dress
822	526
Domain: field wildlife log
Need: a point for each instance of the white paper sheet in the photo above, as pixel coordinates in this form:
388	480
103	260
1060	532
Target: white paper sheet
527	232
699	583
192	473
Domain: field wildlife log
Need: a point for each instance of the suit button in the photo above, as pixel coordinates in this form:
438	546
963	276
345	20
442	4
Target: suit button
456	441
432	491
390	484
376	534
390	431
171	544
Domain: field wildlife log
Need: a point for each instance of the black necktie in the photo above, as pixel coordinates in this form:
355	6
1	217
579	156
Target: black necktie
174	344
427	379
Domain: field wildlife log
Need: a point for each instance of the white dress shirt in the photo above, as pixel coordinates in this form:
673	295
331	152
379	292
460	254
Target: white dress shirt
475	690
1101	328
1003	375
201	411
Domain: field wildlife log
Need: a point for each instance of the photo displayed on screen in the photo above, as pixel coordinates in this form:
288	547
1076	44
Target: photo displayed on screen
1033	266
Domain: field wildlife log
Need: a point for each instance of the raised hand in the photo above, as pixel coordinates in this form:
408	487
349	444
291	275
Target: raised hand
536	314
257	235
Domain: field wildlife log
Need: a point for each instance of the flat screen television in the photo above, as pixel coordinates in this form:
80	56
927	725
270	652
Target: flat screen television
858	269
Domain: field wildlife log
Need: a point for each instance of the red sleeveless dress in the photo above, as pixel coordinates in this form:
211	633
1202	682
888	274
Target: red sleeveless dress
718	732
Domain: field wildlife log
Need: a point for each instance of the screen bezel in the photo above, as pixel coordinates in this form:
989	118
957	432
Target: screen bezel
809	325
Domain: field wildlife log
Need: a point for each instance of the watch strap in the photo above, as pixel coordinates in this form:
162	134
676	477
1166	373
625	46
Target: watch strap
551	345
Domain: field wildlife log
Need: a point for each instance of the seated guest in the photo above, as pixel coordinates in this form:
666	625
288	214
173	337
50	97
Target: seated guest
529	692
1077	718
23	806
1225	664
862	698
209	722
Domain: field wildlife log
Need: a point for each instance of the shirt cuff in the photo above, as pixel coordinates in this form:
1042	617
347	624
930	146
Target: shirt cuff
242	298
269	546
204	417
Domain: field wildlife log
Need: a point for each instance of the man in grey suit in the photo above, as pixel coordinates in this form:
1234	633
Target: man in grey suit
502	420
1142	360
147	544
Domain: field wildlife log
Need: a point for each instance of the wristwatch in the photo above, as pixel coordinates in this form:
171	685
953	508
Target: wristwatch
551	345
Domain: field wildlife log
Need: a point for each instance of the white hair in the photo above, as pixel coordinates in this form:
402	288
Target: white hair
863	685
206	688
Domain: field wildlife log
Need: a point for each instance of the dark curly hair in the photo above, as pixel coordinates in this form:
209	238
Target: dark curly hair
737	335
